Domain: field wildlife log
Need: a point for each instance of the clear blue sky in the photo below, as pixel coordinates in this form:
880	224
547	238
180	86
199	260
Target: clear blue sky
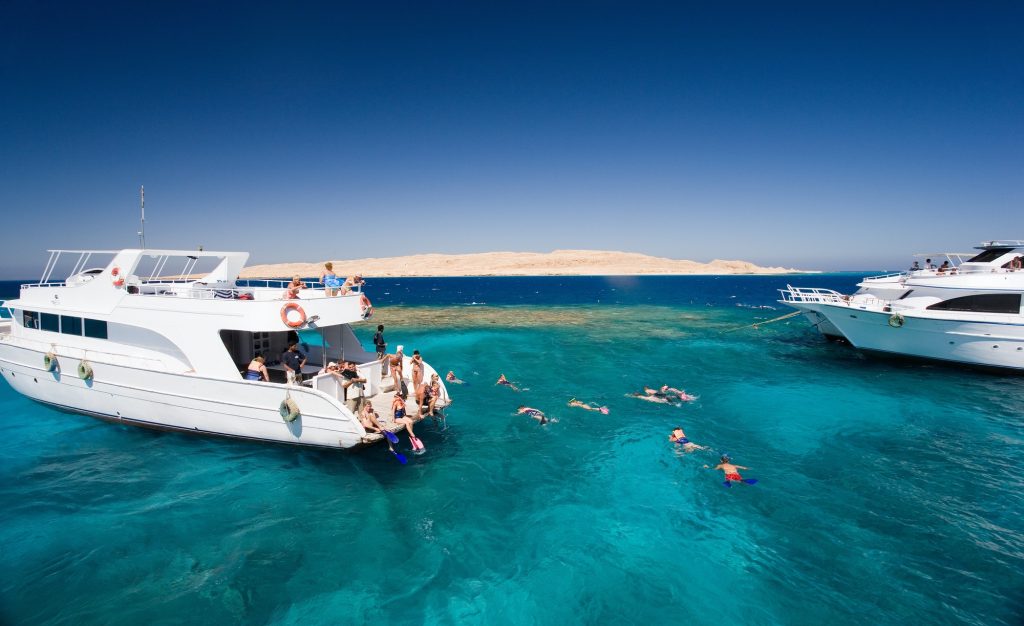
818	135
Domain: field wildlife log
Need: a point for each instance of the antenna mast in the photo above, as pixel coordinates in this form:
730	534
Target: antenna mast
142	202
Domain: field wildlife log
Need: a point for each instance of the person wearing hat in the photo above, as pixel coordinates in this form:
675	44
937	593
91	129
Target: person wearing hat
351	283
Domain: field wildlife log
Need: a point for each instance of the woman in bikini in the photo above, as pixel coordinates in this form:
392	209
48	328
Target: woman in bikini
395	363
417	369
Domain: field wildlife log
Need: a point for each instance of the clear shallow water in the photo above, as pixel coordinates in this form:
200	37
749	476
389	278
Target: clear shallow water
889	491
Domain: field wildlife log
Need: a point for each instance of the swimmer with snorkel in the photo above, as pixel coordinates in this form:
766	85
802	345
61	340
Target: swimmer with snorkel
679	437
586	405
732	472
506	383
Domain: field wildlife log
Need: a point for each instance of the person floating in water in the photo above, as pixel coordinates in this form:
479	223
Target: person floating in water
590	407
732	474
683	396
655	397
679	437
452	378
504	381
536	414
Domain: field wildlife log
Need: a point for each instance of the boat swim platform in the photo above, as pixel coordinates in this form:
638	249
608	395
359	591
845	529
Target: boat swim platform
381	403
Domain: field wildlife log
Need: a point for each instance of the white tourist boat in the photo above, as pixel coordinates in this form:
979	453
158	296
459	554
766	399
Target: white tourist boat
168	351
970	313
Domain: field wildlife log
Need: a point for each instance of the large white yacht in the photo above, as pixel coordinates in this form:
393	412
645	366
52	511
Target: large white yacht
968	312
124	337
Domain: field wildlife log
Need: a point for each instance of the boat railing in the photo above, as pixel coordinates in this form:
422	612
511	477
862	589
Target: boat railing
261	290
885	276
810	295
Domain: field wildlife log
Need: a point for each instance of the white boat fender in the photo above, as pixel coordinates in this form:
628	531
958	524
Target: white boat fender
289	410
896	320
85	370
50	361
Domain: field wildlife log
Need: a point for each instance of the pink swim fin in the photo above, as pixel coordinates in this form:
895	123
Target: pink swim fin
416	443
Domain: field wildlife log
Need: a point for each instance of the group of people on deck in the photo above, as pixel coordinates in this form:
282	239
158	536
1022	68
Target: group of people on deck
332	285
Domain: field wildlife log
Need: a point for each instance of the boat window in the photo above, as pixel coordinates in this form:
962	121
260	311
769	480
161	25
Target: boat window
96	329
982	303
989	255
50	322
70	325
30	319
906	293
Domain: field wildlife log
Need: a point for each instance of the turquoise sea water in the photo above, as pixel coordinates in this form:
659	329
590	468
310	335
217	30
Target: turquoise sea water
890	491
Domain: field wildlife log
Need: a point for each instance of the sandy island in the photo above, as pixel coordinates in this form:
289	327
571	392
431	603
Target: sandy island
557	263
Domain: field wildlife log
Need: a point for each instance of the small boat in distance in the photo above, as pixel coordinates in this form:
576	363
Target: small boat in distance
965	312
136	342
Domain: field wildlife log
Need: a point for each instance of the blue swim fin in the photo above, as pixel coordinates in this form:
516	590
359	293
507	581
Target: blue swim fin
727	483
750	481
392	437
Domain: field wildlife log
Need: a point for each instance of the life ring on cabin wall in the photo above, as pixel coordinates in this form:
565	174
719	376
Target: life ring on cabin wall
365	307
116	277
292	315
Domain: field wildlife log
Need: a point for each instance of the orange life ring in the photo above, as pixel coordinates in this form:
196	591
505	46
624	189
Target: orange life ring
293	323
367	308
116	278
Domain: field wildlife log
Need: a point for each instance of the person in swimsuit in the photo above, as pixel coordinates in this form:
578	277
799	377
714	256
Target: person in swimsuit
329	279
294	287
679	437
505	382
368	418
257	370
536	414
683	396
395	362
732	472
590	407
650	397
450	377
416	364
398	409
435	393
351	283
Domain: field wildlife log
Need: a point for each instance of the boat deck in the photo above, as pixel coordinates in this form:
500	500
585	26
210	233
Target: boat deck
382	406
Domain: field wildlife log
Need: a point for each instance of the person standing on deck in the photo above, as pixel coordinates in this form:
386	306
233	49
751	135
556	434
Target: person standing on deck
417	369
293	360
353	386
382	347
396	367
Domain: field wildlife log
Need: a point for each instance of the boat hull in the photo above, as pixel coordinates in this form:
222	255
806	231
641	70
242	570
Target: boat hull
994	344
182	402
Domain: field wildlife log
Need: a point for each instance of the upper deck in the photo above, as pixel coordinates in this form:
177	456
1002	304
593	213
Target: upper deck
178	282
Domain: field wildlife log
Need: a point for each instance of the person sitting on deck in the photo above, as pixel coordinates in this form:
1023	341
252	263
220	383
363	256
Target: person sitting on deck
368	418
330	280
293	289
916	266
257	370
427	395
944	267
398	409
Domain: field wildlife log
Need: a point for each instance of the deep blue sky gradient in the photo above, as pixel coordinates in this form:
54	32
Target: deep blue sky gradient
815	135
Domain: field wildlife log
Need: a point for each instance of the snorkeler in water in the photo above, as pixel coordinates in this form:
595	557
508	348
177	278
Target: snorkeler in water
452	378
656	398
536	414
732	472
683	396
586	405
679	437
505	382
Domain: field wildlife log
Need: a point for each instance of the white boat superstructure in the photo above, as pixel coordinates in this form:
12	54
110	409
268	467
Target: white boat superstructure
161	338
969	312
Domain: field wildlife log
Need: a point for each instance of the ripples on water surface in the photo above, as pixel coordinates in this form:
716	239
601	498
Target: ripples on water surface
889	491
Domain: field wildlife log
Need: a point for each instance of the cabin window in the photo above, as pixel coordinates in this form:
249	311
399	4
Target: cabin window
70	325
96	329
30	319
982	303
50	322
989	255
